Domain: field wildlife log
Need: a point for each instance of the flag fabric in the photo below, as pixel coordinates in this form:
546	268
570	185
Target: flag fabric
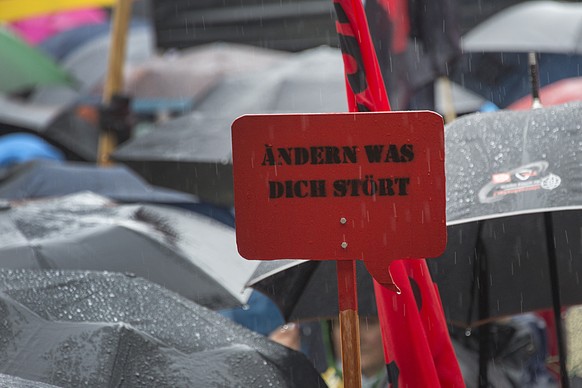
417	346
366	90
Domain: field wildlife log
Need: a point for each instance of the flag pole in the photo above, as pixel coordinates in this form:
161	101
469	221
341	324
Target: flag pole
114	80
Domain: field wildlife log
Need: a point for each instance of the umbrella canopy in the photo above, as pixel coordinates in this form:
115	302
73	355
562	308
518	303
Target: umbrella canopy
191	73
186	252
119	183
507	172
305	290
541	26
52	179
76	329
291	26
69	128
193	153
19	148
88	64
495	64
23	67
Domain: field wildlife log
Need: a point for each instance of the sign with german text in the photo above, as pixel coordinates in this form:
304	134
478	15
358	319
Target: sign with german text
340	186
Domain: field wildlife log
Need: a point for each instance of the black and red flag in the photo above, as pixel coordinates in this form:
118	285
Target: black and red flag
417	346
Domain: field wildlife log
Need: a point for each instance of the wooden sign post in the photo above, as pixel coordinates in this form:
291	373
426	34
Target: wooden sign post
345	187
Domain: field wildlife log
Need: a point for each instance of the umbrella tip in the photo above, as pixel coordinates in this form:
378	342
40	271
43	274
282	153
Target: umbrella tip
535	80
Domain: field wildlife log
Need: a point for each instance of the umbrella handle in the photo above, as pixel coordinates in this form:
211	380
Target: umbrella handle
349	323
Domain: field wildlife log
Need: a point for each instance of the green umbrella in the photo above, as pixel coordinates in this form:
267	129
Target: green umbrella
23	66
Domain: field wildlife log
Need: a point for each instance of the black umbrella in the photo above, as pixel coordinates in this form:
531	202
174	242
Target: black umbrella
513	209
305	290
186	252
505	170
93	329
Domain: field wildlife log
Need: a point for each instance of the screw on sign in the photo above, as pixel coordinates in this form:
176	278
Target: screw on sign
340	186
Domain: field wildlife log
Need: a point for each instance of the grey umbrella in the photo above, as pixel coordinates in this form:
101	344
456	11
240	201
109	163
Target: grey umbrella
193	72
39	179
186	252
494	63
94	329
541	26
88	64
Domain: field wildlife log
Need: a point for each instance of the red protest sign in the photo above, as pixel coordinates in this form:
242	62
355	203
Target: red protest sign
340	186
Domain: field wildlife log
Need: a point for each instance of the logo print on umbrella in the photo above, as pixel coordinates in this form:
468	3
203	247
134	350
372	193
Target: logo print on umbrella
530	177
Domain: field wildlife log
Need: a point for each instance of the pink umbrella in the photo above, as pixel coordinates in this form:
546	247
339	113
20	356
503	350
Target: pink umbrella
36	29
560	92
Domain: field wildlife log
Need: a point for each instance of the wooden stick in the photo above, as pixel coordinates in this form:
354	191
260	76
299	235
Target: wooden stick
349	323
114	80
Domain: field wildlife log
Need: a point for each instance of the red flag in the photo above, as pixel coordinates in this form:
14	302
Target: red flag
417	346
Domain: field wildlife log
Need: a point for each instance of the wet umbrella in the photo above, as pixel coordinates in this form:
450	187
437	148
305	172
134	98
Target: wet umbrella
17	115
495	63
17	382
190	154
23	67
193	153
191	73
39	179
505	171
51	179
186	252
88	64
93	329
72	129
513	214
541	26
306	290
